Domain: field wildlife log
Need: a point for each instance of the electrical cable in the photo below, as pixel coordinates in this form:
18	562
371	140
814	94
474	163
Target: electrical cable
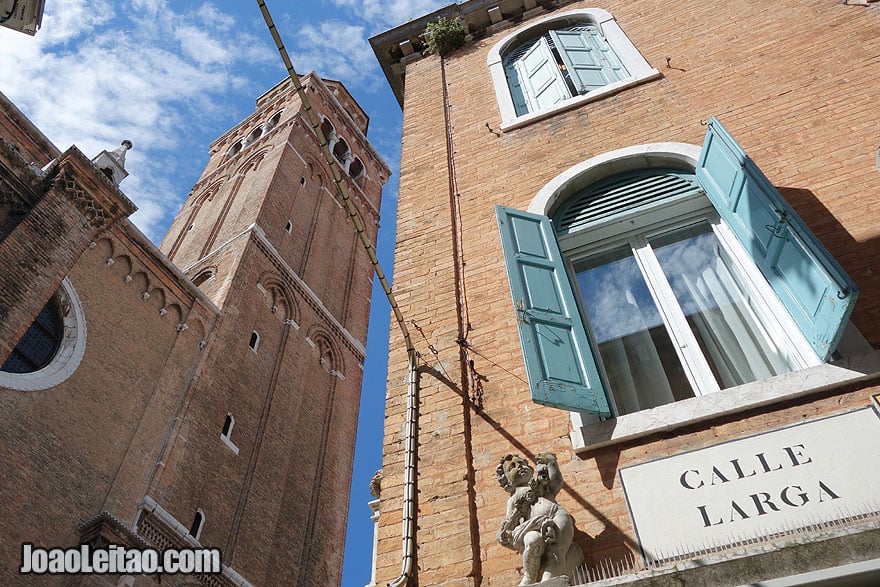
412	404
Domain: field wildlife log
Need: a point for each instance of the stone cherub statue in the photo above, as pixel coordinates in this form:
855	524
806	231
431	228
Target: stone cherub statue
535	525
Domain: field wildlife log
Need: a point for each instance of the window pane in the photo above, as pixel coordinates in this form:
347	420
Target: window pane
39	344
639	357
717	306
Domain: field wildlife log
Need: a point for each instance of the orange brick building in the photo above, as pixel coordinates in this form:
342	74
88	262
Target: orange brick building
641	236
201	393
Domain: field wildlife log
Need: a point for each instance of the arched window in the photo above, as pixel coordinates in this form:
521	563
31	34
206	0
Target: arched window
228	424
356	168
52	347
653	285
226	432
235	149
340	150
273	122
255	341
560	64
562	61
195	530
204	276
255	134
327	130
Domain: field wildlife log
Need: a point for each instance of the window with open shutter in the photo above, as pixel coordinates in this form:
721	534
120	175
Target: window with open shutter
812	286
561	61
589	60
656	285
559	360
560	64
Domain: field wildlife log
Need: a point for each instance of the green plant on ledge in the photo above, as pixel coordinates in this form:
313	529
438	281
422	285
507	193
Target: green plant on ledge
444	36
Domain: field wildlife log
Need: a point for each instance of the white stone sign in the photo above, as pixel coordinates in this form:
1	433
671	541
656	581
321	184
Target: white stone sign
809	473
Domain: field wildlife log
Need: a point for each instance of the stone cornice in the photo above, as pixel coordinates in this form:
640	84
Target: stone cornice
97	198
41	148
24	178
163	531
402	45
105	529
170	274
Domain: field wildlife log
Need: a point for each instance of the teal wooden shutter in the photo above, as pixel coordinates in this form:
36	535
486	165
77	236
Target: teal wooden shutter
812	286
516	92
560	363
539	76
588	58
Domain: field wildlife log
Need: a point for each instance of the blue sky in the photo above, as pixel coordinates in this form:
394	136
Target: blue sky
172	77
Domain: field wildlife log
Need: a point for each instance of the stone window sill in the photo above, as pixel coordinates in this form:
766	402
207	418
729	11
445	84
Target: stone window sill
589	433
576	101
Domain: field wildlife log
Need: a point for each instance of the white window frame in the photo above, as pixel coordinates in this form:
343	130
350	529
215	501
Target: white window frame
227	436
67	357
588	432
254	342
769	311
201	515
639	69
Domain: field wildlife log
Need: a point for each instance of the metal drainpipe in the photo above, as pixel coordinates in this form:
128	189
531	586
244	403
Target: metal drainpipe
409	474
412	405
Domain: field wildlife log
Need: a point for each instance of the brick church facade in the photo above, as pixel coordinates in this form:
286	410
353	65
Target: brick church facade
643	237
203	392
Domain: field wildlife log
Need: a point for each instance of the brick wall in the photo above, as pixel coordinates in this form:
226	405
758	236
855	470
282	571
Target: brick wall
91	444
142	414
797	86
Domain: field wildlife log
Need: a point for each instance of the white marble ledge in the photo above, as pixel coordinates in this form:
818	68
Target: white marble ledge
589	433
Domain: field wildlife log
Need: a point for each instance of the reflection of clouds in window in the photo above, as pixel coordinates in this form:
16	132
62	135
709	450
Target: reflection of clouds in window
685	261
616	296
692	265
730	335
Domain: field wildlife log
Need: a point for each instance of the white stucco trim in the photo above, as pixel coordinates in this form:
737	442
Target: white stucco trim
68	356
589	433
639	69
854	572
682	156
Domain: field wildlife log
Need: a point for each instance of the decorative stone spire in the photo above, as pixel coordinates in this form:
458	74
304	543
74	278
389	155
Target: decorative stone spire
112	163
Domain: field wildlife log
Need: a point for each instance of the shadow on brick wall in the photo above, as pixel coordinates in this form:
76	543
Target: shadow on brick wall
858	258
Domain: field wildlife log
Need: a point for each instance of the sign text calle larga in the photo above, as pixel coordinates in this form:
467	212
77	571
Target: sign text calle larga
805	474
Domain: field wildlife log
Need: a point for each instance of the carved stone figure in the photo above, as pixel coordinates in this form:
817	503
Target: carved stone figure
535	525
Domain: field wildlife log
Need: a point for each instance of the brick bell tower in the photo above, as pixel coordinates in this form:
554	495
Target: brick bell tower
259	464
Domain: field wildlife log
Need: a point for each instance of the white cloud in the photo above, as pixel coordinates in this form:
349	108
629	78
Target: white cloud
67	19
93	76
382	14
199	46
211	16
336	50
